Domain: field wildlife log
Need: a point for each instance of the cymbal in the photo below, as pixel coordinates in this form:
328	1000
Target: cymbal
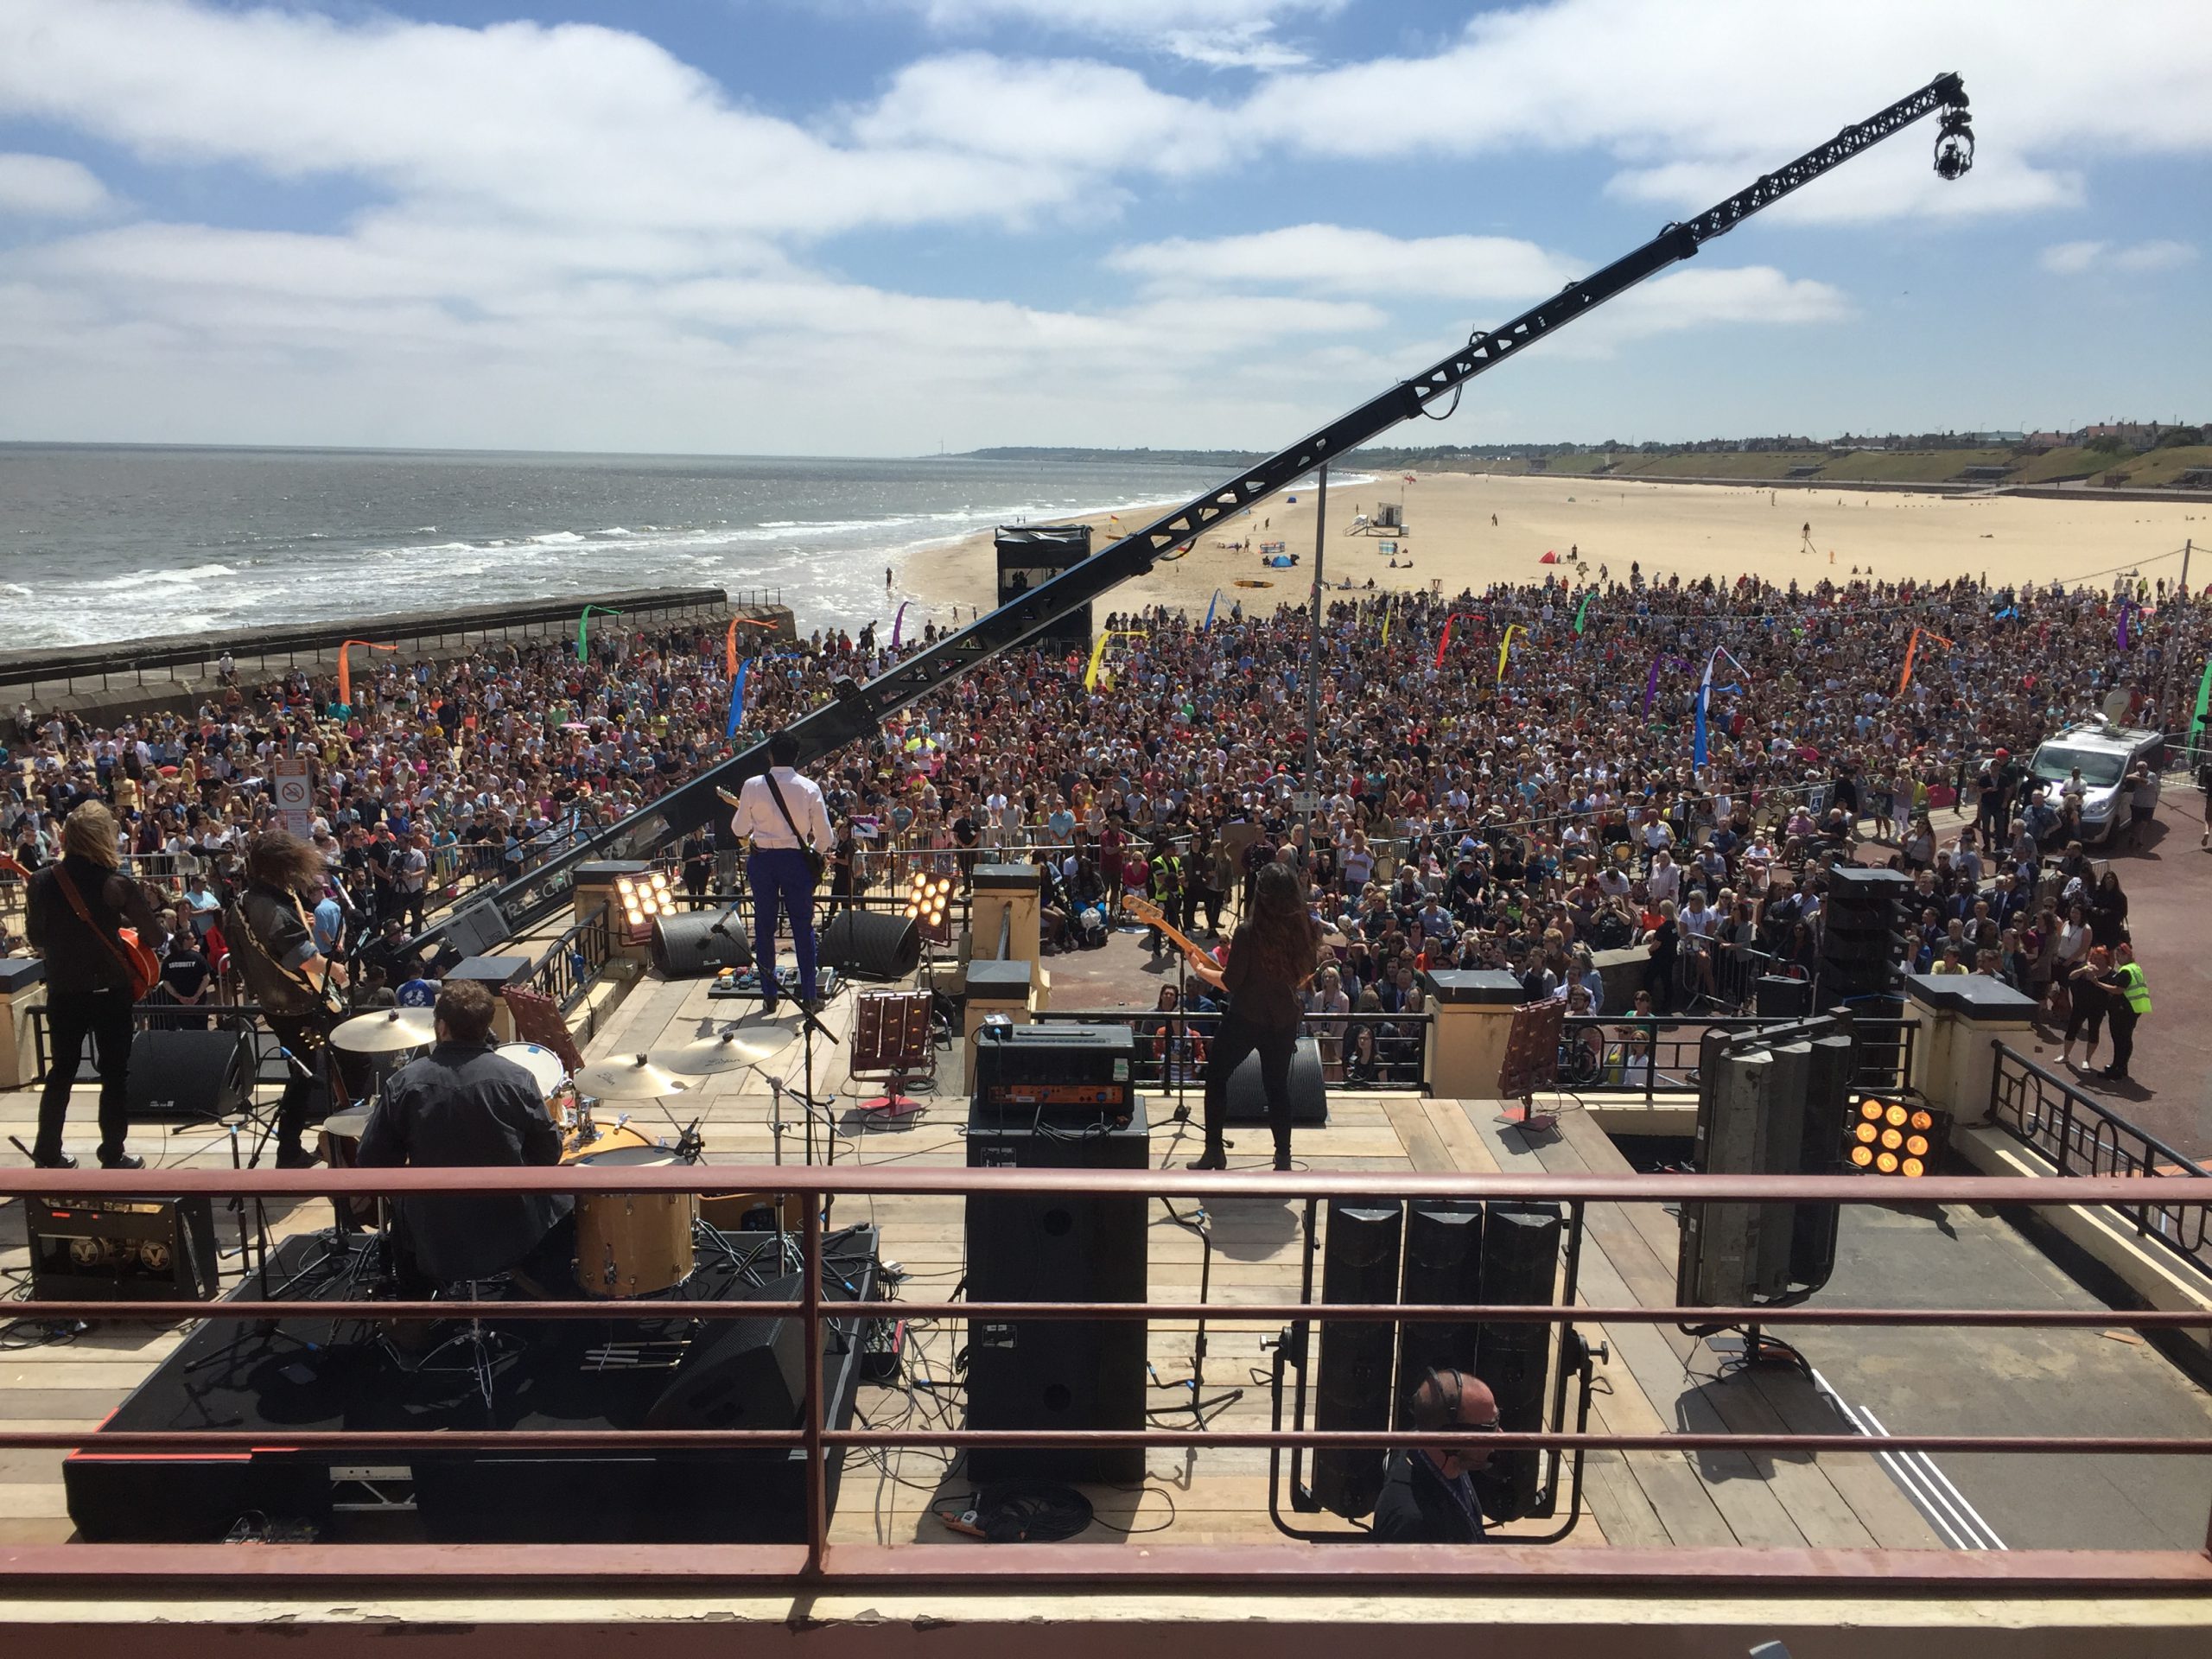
631	1076
727	1050
386	1031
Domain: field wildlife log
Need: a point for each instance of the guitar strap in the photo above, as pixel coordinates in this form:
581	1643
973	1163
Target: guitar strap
106	936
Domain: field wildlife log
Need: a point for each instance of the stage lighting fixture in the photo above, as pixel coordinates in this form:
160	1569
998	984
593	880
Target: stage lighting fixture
928	898
1892	1138
642	899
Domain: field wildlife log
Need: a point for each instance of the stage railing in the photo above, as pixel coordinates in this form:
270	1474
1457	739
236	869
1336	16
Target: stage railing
816	1559
2082	1136
573	964
1648	1058
1171	1046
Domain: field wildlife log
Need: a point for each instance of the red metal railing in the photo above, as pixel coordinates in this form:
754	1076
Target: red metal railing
185	1566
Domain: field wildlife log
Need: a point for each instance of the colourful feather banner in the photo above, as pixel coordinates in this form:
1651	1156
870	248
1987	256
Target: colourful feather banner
346	669
1583	609
898	622
1505	645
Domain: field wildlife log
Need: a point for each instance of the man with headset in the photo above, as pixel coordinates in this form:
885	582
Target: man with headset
1428	1493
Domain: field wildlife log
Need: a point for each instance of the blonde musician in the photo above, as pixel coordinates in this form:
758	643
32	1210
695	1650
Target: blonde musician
1271	957
290	980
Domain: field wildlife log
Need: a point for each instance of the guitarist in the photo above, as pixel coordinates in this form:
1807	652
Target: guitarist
293	982
75	910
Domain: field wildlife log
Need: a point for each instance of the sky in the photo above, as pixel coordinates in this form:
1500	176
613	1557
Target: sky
882	227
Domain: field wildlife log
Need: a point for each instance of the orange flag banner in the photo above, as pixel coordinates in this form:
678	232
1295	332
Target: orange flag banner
346	667
1911	650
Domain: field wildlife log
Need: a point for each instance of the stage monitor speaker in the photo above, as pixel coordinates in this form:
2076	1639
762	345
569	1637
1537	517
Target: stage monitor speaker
1309	1095
477	930
872	944
686	946
740	1373
1046	1374
121	1249
1443	1263
200	1075
1359	1264
1519	1268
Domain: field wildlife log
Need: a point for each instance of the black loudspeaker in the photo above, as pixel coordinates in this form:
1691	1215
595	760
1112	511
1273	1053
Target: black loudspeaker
872	944
686	946
1444	1264
200	1075
1309	1096
1519	1268
477	930
1056	1373
1824	1106
1780	997
741	1373
1359	1264
1862	936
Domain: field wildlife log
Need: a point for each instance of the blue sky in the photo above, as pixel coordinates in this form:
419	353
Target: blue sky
874	226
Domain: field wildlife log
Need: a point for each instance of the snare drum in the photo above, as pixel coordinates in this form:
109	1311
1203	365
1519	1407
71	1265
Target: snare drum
621	1138
543	1063
342	1147
632	1243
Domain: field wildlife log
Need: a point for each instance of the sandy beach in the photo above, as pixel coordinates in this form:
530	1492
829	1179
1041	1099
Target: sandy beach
1690	531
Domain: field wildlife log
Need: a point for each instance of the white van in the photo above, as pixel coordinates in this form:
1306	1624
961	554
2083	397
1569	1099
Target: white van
2105	754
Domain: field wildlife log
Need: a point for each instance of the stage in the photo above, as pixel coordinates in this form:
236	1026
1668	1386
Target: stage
1656	1380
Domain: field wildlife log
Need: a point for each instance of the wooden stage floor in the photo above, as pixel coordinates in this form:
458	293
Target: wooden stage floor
1656	1380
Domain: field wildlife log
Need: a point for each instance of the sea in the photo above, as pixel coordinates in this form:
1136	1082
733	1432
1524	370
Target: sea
101	543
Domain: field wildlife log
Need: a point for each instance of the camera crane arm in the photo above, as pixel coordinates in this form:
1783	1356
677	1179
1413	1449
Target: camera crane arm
859	708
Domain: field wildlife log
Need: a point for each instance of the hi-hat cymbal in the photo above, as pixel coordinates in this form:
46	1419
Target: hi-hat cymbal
631	1076
727	1050
387	1031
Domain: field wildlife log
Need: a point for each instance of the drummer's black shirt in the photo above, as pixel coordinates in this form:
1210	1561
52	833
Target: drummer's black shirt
463	1105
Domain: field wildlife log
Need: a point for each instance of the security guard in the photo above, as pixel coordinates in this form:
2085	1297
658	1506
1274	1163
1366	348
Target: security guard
2131	1000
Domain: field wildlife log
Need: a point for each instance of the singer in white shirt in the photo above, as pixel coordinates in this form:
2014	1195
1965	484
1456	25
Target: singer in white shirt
776	867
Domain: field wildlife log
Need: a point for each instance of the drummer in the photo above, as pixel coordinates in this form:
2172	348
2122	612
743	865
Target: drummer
463	1106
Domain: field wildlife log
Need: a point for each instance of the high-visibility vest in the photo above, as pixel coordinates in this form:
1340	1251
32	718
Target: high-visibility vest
2131	986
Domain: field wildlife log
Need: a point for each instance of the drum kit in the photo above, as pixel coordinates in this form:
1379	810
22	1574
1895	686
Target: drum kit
628	1244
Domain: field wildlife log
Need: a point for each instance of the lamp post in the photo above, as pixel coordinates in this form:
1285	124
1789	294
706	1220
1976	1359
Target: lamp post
1313	629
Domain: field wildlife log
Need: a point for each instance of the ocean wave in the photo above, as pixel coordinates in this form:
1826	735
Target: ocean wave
162	578
555	538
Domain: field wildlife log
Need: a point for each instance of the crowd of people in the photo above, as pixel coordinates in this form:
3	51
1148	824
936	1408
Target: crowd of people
1502	780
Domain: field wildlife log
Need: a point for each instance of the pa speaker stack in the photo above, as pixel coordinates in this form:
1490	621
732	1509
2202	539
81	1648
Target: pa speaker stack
1520	1267
1359	1264
1862	933
1040	1104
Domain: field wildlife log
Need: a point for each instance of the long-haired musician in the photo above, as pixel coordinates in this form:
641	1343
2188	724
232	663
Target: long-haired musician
1270	957
285	974
74	911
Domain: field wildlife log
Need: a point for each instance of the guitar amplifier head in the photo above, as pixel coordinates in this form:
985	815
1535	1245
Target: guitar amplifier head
1060	1074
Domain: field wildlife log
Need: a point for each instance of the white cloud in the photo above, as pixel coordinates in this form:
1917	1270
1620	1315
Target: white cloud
46	186
1339	260
1223	34
2073	258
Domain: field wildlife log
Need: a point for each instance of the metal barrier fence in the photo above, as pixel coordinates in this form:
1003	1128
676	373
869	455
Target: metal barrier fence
816	1559
2080	1136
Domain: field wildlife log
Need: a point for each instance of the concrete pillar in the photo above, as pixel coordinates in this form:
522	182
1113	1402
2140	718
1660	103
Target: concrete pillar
494	974
22	988
594	886
1007	894
993	987
1961	1018
1474	1015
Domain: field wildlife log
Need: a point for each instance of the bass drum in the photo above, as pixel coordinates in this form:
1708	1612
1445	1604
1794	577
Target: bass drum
632	1243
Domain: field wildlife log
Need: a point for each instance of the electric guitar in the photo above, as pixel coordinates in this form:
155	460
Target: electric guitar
1201	960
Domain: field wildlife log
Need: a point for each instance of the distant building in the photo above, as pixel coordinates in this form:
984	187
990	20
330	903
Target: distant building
2042	441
